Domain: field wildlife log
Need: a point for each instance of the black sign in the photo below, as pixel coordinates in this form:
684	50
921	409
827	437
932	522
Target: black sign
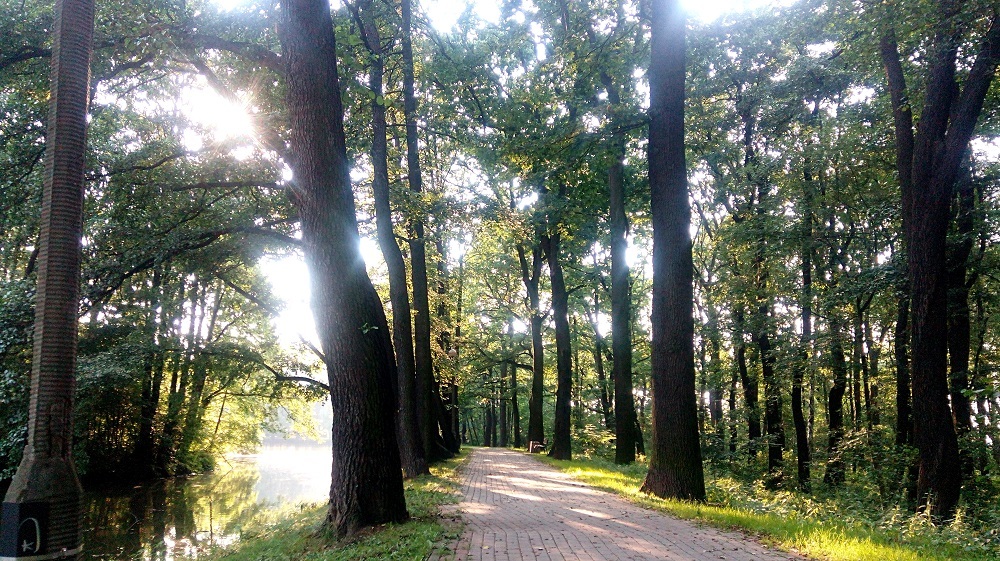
24	529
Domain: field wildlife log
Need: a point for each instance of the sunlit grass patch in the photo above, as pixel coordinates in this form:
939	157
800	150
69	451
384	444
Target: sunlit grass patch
791	531
296	536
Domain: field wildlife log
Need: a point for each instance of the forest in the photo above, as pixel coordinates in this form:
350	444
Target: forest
810	312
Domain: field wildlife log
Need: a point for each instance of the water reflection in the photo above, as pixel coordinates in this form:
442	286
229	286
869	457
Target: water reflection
180	518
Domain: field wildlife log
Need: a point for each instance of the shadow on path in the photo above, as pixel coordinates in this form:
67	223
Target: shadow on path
518	509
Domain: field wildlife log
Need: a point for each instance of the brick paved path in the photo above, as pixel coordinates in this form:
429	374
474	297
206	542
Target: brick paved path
518	509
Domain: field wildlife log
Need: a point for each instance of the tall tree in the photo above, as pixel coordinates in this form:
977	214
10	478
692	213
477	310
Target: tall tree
46	475
561	430
675	468
530	275
411	447
367	485
621	301
426	411
928	160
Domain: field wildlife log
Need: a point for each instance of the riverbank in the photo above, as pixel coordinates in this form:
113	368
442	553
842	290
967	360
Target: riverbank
293	534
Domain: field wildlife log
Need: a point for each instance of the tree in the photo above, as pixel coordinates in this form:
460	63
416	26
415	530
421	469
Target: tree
928	160
46	474
675	468
367	486
408	428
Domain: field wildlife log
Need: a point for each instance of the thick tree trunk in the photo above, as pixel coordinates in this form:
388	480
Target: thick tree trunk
46	474
561	436
366	486
675	468
928	161
411	449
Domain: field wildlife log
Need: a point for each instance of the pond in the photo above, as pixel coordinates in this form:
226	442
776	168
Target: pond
182	518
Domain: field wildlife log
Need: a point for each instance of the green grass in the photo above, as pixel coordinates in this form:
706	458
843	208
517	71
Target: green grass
294	534
791	531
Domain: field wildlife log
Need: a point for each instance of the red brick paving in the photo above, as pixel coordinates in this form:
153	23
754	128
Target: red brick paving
518	509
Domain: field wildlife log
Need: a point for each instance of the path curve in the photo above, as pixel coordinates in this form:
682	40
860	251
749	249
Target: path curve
517	509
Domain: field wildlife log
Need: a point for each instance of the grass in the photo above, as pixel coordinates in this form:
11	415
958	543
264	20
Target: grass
829	539
296	535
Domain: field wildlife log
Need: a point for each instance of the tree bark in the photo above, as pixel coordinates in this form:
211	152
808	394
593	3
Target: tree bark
751	390
602	379
901	335
675	468
959	326
835	406
561	429
46	473
802	452
928	162
366	486
423	358
621	308
411	449
530	275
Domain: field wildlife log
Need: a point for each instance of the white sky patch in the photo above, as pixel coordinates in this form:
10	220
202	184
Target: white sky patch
710	10
289	280
217	114
444	14
986	149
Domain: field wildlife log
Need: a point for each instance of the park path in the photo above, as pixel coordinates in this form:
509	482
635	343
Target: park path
517	509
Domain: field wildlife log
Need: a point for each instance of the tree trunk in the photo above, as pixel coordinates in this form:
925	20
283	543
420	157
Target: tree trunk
602	379
621	309
928	162
411	449
366	486
835	407
530	275
423	358
901	335
750	387
675	468
802	452
46	473
561	435
504	432
959	327
772	409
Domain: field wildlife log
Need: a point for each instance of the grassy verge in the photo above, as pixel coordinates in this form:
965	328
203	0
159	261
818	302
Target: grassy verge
296	536
818	539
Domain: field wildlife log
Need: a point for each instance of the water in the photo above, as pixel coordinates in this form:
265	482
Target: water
184	517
